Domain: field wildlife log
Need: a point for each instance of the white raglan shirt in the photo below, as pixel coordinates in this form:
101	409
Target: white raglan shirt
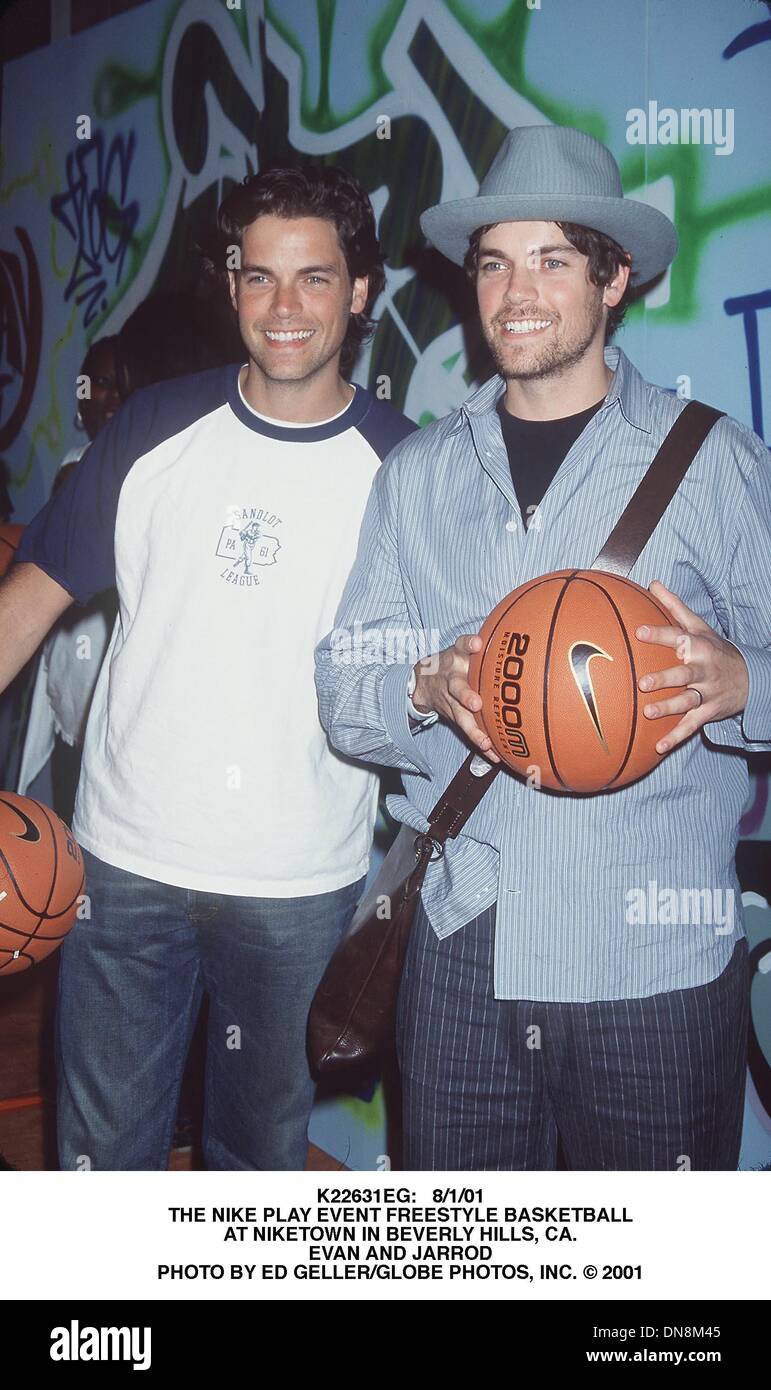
230	537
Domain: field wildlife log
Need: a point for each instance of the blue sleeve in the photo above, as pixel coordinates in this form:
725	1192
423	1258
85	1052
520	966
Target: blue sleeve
363	699
72	538
383	427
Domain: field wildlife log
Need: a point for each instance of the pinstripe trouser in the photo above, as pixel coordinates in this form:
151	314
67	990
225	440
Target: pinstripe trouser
654	1083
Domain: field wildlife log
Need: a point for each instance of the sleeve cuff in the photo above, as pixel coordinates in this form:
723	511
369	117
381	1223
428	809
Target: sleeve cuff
417	716
751	729
423	717
395	705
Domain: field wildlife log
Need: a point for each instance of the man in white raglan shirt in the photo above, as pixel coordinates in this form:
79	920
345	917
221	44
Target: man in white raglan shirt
225	843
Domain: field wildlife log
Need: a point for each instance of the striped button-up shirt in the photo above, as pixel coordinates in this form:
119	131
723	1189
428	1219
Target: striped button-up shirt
622	894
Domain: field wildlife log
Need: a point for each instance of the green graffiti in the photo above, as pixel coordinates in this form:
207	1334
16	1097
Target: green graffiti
238	17
41	176
318	115
502	41
696	222
116	88
370	1114
49	429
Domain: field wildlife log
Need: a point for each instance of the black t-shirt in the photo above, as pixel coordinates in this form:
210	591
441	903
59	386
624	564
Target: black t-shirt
536	449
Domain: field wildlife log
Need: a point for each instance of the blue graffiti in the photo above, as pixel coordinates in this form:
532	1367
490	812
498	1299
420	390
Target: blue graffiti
747	305
757	33
94	212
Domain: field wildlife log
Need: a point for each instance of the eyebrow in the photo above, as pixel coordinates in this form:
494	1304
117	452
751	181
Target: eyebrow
304	270
539	250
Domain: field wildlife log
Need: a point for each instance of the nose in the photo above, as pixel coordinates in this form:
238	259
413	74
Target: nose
522	283
285	301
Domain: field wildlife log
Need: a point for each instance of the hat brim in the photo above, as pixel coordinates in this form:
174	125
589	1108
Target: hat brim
643	231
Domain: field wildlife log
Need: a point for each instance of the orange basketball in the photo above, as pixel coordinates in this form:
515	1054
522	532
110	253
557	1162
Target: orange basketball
10	535
558	676
41	878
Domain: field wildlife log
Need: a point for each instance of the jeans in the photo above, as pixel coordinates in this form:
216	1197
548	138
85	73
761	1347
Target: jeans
643	1084
131	980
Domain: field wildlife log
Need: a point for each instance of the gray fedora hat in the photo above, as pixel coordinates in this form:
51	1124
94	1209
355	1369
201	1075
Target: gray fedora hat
550	173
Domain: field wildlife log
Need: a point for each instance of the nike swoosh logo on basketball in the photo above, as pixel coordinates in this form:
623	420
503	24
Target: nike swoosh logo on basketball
579	656
31	833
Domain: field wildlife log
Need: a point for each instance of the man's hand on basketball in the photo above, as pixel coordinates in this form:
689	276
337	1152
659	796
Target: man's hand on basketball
442	685
713	673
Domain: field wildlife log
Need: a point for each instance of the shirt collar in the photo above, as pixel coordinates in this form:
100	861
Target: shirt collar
294	434
627	388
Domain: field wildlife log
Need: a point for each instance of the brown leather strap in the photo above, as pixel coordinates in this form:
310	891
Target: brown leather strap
620	552
461	797
659	485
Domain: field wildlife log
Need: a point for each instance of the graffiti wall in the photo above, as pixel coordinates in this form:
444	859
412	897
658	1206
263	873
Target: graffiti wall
108	185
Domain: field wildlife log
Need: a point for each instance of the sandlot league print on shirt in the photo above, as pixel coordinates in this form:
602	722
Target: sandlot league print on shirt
246	545
229	537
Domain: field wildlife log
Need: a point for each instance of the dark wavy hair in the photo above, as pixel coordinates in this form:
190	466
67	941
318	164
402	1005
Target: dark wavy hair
603	253
312	190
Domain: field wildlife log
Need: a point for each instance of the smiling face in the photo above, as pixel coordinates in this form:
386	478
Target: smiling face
541	315
294	298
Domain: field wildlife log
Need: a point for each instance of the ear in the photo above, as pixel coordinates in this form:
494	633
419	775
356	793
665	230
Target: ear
232	287
360	290
614	290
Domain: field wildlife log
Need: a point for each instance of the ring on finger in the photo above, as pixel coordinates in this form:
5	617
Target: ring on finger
696	691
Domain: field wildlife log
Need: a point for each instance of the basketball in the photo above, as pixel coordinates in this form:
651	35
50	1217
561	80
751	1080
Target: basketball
558	673
41	878
10	535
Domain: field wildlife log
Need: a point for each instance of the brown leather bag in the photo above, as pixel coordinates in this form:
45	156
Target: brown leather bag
351	1020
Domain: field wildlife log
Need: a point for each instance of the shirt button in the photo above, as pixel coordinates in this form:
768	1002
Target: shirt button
511	525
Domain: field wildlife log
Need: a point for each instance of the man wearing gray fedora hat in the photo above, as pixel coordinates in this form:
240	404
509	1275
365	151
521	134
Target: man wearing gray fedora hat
536	1005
